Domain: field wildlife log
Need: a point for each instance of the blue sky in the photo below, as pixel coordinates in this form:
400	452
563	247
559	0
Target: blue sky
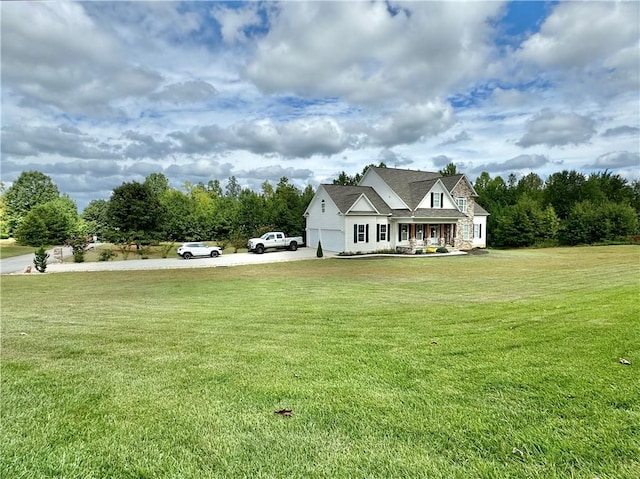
98	93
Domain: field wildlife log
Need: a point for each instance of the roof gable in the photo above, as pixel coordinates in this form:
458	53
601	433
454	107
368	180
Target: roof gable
349	198
407	184
452	181
412	186
363	205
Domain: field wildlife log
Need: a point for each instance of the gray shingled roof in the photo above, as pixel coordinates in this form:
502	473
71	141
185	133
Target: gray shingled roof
411	185
418	191
345	196
428	213
407	183
479	210
450	182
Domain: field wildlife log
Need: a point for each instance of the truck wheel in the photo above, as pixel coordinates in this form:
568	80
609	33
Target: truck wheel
259	249
293	246
214	254
187	255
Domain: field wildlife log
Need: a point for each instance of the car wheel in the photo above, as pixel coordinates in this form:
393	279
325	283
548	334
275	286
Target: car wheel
214	254
187	255
259	249
293	246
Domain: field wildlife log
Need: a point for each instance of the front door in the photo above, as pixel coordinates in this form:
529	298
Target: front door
434	234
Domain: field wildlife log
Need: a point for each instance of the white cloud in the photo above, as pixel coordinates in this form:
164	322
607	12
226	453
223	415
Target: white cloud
616	159
557	129
578	34
589	48
192	91
273	173
520	162
360	51
409	124
81	72
97	93
393	159
622	130
234	21
61	140
459	137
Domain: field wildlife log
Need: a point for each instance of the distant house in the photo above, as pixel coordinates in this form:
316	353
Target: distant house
395	208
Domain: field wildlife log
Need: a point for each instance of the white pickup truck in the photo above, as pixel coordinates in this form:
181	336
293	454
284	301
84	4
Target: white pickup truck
276	240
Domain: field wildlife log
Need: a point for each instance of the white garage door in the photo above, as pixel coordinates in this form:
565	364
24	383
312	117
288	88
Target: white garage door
332	240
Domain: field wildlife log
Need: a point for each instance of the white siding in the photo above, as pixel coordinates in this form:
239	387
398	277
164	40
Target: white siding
363	205
324	226
447	201
482	222
387	194
372	244
330	219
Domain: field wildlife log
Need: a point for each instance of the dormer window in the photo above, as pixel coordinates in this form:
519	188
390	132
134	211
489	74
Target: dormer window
462	204
323	206
436	200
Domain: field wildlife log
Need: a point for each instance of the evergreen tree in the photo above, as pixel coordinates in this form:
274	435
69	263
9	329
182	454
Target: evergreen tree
40	259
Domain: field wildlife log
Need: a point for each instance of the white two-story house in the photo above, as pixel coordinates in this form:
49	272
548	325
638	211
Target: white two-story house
395	208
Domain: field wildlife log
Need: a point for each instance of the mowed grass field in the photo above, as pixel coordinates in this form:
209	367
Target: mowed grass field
505	365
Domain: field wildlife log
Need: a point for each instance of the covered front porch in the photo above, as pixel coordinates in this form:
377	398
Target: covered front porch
414	237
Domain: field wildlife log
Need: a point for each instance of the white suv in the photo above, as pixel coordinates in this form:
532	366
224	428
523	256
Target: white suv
189	250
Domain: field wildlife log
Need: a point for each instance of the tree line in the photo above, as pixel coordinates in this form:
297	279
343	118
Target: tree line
148	212
569	208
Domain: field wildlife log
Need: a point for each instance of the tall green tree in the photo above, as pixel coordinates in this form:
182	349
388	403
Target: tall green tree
530	185
450	170
344	179
178	209
251	215
233	188
285	212
203	222
58	219
135	214
606	186
158	183
590	223
96	216
32	188
563	190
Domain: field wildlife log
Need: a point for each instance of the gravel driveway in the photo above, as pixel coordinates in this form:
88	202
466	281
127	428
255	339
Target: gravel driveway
17	264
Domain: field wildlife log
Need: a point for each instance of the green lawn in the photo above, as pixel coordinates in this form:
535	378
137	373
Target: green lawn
9	249
495	366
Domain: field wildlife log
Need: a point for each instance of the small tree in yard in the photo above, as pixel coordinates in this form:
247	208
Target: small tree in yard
40	260
319	253
78	243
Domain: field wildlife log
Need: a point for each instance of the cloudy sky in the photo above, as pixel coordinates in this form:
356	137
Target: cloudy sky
98	93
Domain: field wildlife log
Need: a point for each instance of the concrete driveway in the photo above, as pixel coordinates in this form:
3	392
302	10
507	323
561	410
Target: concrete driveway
18	263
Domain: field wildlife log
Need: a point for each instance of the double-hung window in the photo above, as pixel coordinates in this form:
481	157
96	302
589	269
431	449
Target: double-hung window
477	231
462	204
404	232
361	233
465	231
382	232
